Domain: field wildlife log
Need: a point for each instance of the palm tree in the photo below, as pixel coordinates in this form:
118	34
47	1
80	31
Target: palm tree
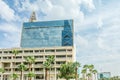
2	71
46	65
67	71
85	66
89	69
15	52
30	75
14	76
84	71
76	65
51	60
94	72
22	68
89	76
30	60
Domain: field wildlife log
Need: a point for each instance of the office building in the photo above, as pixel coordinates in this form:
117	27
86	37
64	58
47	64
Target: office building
40	39
47	33
104	75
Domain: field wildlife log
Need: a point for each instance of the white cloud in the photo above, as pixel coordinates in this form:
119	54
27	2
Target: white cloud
11	35
6	12
57	9
102	48
89	4
80	41
109	36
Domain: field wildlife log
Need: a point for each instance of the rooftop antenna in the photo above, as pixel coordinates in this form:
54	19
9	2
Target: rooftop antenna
32	17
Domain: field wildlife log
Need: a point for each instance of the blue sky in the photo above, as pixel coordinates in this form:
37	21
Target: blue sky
96	22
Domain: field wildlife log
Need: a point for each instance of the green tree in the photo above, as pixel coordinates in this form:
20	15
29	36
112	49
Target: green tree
67	71
14	76
30	60
15	53
30	75
91	67
89	76
115	78
46	65
88	71
2	71
51	60
84	73
94	72
76	66
21	68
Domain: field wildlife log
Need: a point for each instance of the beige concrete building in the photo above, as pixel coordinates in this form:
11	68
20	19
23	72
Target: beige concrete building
10	63
36	35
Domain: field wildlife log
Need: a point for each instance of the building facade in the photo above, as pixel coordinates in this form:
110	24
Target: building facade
47	34
40	40
10	63
104	75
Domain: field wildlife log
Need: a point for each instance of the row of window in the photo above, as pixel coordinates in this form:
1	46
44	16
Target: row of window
38	57
39	51
35	69
7	65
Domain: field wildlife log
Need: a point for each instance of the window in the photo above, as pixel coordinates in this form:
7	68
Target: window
38	63
60	62
28	51
61	50
49	50
60	56
69	56
38	69
17	63
10	52
18	57
38	56
36	51
9	57
5	51
20	51
38	77
58	69
41	50
4	57
69	50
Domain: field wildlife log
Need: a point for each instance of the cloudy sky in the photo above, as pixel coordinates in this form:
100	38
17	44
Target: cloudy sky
96	23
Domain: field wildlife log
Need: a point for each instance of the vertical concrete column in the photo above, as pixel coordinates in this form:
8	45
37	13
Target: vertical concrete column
43	62
44	73
1	65
11	66
55	74
55	66
1	76
22	73
33	66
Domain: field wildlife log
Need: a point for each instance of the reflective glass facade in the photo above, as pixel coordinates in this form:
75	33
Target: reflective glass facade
104	75
47	33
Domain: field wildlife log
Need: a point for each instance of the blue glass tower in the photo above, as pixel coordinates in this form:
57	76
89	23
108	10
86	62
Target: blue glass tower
47	34
104	75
